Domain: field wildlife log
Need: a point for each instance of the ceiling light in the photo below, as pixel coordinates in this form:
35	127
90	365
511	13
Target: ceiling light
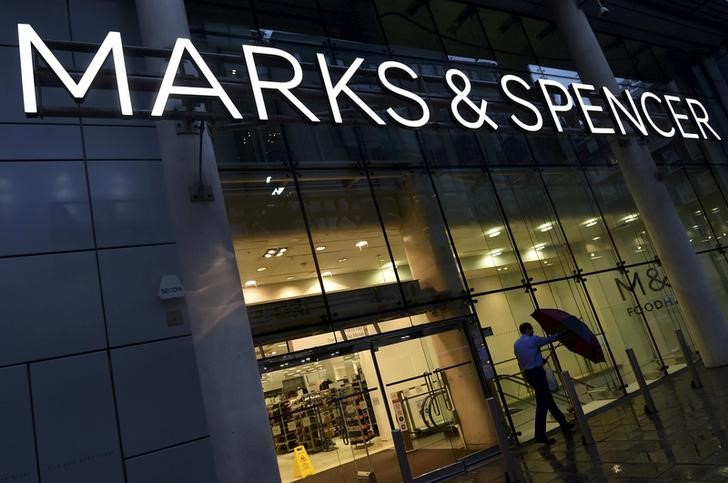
493	232
591	222
267	180
251	283
326	274
278	191
342	260
320	248
715	210
261	269
277	252
267	255
539	246
543	228
596	238
630	218
496	253
361	244
290	278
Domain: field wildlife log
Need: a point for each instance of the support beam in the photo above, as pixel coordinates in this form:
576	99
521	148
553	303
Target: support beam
237	419
692	289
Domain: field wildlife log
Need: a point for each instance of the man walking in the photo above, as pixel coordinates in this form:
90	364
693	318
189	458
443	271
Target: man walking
527	349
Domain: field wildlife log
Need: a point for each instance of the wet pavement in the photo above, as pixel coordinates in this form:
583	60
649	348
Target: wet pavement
686	440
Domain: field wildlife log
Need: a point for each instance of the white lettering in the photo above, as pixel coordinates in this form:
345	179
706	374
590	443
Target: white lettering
702	120
643	102
333	91
284	87
382	73
538	125
587	108
633	116
678	117
544	84
168	87
28	38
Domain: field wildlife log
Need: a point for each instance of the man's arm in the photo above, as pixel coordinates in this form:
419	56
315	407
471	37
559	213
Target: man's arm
547	340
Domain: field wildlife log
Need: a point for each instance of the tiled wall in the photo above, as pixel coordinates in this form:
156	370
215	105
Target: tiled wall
98	382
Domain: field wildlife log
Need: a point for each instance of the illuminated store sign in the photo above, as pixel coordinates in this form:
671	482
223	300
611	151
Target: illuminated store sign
687	117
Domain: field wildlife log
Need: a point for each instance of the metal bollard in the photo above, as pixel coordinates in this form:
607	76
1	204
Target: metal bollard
586	434
513	467
401	452
696	382
649	403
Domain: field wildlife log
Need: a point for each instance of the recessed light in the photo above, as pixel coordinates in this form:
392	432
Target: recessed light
290	278
320	248
251	283
545	227
539	246
496	253
342	260
267	255
596	238
361	244
493	232
326	274
261	269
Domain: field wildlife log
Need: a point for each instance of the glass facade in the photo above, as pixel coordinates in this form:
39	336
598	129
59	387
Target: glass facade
369	256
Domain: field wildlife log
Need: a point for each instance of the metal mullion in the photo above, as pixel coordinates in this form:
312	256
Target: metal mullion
382	226
304	215
579	278
622	266
702	207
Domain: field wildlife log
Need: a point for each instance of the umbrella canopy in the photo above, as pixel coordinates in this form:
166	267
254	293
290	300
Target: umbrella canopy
578	339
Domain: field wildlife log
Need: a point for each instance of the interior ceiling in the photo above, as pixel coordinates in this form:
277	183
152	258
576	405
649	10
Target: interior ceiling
692	25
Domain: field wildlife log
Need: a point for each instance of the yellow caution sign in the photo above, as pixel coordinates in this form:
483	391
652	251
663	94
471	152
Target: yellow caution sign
302	466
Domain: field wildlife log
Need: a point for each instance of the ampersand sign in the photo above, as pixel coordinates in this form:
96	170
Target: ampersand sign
461	96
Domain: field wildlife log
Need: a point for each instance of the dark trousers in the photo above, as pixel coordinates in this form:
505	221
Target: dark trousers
537	379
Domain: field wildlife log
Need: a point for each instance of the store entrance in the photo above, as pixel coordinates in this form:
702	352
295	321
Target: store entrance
340	403
432	386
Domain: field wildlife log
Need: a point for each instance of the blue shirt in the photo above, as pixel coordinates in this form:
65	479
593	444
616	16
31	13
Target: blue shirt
528	350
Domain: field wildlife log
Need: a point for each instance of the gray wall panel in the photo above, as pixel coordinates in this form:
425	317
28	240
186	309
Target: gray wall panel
50	305
117	142
44	207
20	142
189	463
130	203
78	441
158	395
17	443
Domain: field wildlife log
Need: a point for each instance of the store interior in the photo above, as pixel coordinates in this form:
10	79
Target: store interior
332	404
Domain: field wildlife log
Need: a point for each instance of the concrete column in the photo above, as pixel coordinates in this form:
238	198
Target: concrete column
431	261
236	415
692	289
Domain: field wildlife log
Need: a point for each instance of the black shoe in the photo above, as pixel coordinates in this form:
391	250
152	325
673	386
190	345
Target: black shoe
546	441
569	427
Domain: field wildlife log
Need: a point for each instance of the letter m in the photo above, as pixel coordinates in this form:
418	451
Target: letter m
28	38
633	284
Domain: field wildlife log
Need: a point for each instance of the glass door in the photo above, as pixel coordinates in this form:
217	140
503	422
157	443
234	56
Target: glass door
433	390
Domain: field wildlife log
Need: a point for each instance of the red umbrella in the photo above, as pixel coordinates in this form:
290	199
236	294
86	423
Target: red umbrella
578	338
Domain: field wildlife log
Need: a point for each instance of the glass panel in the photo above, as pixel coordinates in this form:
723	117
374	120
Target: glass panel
222	26
582	222
357	270
477	228
409	27
533	224
253	147
596	383
690	211
508	41
297	19
423	257
354	20
621	215
621	317
500	314
712	200
433	383
461	31
273	253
